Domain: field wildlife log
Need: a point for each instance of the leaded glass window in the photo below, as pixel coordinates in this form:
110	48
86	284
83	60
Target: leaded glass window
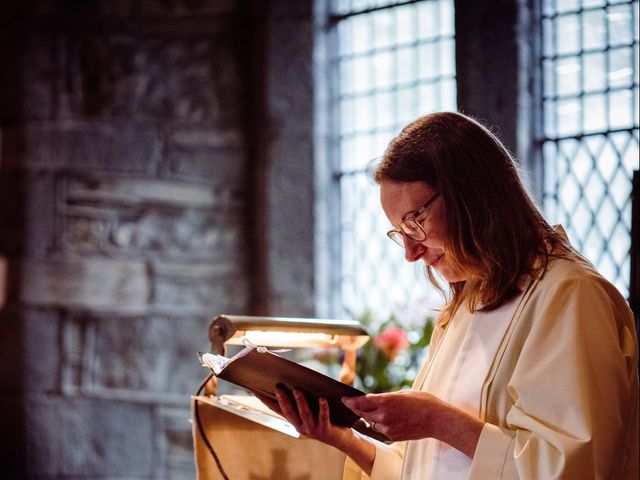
393	62
591	126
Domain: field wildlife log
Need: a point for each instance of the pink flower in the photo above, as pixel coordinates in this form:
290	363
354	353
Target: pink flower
392	341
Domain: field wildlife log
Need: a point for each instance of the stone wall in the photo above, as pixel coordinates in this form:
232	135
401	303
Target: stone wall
152	155
498	47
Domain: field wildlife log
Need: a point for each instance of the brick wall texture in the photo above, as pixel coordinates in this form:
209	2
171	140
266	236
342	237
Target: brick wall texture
124	176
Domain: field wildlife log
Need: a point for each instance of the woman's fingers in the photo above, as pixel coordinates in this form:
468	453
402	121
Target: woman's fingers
323	415
289	410
269	402
363	405
304	411
296	409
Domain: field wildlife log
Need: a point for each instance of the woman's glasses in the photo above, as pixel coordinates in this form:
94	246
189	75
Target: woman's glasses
410	226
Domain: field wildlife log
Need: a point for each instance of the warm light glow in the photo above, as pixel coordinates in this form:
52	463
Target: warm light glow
297	339
288	339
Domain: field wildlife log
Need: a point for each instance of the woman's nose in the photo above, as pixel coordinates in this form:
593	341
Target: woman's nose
413	250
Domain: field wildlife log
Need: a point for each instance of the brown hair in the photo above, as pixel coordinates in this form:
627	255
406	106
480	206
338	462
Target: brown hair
493	229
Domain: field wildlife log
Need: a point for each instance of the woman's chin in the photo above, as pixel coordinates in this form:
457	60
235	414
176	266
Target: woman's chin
448	273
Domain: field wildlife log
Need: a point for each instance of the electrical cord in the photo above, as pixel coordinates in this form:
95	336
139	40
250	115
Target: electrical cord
202	432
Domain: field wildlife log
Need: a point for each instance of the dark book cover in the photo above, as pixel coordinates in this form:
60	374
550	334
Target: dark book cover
262	371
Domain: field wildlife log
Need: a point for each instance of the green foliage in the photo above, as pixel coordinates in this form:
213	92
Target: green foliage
379	371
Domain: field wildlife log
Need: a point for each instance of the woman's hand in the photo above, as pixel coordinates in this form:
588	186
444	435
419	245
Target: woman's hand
294	407
411	415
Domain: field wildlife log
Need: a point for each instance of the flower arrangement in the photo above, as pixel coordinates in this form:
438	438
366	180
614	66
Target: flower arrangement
391	360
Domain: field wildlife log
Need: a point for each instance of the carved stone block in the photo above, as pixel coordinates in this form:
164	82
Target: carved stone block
82	146
120	286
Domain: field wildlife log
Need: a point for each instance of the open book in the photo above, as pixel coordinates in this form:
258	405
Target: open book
260	370
251	408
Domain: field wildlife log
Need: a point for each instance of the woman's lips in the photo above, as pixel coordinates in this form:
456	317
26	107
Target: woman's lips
435	261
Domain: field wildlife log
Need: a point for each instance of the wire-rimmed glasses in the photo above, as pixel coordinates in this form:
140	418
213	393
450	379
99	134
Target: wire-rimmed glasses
410	226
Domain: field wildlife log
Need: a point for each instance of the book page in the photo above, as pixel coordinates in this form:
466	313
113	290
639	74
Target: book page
217	363
249	402
233	404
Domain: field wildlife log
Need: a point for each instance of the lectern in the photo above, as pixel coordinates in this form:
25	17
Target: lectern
236	437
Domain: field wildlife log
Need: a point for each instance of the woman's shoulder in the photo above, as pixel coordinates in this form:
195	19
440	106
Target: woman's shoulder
571	272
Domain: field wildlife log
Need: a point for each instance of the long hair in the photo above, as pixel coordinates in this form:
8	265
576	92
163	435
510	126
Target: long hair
493	230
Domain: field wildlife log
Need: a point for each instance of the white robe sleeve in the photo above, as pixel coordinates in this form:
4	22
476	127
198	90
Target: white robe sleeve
574	390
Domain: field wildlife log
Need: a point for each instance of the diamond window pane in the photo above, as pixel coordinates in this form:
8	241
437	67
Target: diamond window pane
594	244
569	193
550	150
567	150
620	244
591	126
630	160
594	194
581	165
608	218
620	189
396	64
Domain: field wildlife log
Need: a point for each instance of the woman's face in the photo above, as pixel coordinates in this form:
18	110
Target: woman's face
402	199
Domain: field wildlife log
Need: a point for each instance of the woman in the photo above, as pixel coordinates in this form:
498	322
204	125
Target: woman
532	371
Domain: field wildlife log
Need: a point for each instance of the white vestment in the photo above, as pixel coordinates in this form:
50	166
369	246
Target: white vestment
553	373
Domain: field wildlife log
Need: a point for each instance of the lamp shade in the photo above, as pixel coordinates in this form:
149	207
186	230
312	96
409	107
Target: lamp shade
286	332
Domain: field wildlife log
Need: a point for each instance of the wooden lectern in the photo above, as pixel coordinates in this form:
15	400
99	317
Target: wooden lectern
234	435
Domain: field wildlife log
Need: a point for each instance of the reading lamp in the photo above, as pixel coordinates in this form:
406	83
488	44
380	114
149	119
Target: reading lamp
348	335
